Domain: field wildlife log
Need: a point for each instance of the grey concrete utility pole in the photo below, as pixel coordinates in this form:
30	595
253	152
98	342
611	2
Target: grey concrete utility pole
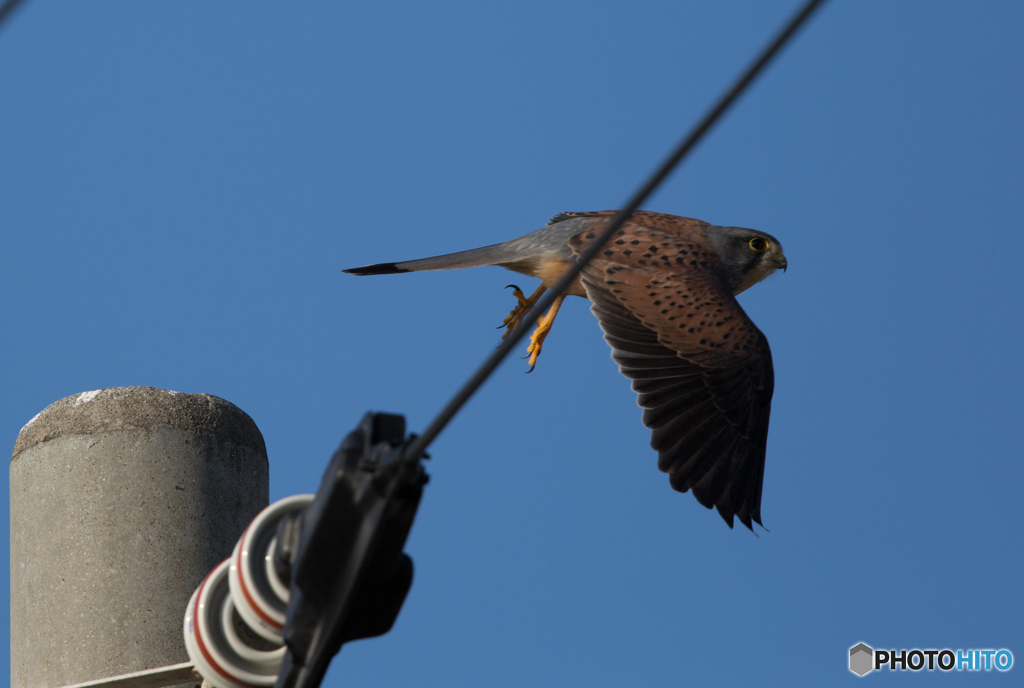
122	500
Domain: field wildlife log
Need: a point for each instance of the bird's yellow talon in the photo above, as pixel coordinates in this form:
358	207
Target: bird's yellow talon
519	312
541	333
518	293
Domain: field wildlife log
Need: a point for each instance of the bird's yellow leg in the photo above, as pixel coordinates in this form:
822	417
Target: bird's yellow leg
519	312
543	327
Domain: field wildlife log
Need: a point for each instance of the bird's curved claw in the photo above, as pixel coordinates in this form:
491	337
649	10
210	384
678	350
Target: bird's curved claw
517	314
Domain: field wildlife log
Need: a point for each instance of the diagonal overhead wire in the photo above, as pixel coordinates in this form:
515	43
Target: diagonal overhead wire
7	9
419	445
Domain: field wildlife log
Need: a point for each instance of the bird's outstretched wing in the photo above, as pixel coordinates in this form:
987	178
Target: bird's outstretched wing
701	368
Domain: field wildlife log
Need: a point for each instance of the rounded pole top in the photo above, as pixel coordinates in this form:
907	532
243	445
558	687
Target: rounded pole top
140	408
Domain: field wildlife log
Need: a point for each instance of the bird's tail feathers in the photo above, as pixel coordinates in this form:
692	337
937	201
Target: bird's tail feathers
477	257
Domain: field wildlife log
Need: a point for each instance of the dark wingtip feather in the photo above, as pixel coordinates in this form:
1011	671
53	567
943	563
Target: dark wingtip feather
378	269
726	514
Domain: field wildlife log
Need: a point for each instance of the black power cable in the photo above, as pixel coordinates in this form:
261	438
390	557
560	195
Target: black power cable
419	445
7	9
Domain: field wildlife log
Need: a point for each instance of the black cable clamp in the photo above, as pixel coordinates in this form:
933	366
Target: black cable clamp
343	553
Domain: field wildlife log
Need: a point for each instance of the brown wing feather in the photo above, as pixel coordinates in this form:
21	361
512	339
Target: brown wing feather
561	217
701	368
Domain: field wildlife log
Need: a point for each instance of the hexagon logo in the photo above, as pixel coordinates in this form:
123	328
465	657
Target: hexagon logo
861	659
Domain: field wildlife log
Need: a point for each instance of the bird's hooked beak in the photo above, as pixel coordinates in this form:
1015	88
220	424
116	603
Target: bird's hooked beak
778	261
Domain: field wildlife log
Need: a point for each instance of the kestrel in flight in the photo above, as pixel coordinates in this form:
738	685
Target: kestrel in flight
663	290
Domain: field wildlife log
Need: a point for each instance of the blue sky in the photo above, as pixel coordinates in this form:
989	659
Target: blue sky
181	184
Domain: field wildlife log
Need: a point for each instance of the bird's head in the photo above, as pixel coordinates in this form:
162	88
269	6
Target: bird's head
747	256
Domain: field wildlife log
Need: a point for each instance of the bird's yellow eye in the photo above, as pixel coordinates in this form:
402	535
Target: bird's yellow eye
759	245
